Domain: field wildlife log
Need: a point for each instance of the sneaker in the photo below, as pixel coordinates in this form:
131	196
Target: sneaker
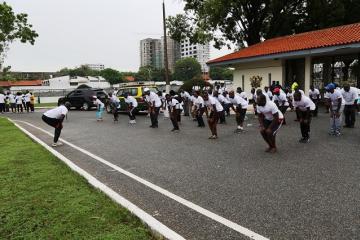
337	134
57	144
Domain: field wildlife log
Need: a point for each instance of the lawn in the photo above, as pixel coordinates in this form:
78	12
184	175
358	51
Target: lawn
41	198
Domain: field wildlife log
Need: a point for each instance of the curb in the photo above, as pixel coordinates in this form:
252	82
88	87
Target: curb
157	228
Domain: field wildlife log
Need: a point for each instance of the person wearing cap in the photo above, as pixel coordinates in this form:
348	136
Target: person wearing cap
100	106
132	107
281	101
199	108
350	95
270	120
314	95
186	101
171	103
115	106
304	106
216	109
221	99
337	104
154	105
239	106
55	118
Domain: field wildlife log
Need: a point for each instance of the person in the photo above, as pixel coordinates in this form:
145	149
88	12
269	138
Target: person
172	102
241	93
304	106
7	102
289	97
270	120
186	99
100	106
253	94
350	95
314	95
27	101
268	92
132	107
199	108
12	102
32	102
216	110
193	107
19	102
227	103
327	101
221	99
154	105
2	102
115	106
55	118
337	104
281	101
239	106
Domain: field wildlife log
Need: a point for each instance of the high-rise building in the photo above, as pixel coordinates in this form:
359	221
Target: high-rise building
173	52
151	53
198	51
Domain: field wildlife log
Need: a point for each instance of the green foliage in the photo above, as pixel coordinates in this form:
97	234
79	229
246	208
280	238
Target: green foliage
12	27
187	69
220	73
111	75
245	22
198	82
149	73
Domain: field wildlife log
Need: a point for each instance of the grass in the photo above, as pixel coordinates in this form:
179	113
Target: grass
41	198
45	105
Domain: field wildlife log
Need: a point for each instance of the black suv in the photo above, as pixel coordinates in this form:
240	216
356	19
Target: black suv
82	98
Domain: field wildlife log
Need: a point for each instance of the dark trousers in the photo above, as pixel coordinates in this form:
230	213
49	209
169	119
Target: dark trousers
283	110
174	116
2	107
240	116
199	117
19	107
55	123
27	106
186	108
227	108
350	113
154	117
132	113
222	117
305	124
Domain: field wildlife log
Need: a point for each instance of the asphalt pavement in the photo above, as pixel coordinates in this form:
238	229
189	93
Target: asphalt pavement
305	191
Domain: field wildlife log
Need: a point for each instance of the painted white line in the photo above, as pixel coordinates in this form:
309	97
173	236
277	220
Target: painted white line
243	230
154	224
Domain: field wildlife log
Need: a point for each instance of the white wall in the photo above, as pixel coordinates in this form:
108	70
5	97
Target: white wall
261	69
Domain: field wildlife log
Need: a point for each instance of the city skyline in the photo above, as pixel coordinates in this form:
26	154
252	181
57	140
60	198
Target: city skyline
76	33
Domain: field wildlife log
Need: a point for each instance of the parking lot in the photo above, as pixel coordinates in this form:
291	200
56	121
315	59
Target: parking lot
305	191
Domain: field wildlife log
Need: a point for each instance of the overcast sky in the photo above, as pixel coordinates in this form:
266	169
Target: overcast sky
75	32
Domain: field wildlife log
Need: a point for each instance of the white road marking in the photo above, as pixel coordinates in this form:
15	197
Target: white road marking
153	223
243	230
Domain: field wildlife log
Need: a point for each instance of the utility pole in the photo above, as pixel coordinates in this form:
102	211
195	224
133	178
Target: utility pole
166	63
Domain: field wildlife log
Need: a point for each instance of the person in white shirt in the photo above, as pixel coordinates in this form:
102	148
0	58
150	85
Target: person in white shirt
154	105
27	97
337	104
171	103
199	108
270	119
268	92
214	106
281	101
19	102
227	103
12	102
241	93
115	106
55	118
327	102
132	107
304	106
186	101
239	106
2	103
100	106
221	99
350	95
314	95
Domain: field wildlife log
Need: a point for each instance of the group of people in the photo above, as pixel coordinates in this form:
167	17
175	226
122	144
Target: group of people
16	103
270	107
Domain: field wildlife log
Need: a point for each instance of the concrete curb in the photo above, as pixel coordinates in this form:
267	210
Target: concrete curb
158	229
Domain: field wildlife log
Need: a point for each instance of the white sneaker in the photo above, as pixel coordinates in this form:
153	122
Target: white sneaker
57	144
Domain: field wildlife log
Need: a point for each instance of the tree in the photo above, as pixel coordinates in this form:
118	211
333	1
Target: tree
144	73
13	27
187	69
111	75
220	73
247	22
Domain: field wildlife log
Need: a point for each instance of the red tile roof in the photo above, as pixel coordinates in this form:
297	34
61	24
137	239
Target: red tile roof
20	83
335	36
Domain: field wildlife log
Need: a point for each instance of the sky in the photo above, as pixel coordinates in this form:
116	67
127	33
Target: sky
76	32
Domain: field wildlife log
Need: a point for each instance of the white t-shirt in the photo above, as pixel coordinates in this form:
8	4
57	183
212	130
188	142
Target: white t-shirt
269	110
239	102
243	95
199	102
18	99
269	93
57	112
114	99
314	94
153	97
12	98
335	96
2	98
97	102
214	101
132	100
221	98
27	97
304	103
185	95
282	99
350	96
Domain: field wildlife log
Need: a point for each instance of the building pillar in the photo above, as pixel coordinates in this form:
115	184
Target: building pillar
308	74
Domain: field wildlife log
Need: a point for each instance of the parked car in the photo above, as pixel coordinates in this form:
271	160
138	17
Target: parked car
82	98
136	91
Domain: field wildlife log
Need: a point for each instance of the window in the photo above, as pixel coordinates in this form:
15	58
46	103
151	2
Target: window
133	91
195	56
73	83
120	92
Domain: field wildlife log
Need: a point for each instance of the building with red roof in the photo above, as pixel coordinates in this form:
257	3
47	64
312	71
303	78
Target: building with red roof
25	83
316	57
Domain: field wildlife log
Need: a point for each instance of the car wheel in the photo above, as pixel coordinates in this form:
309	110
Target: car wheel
68	103
108	108
86	106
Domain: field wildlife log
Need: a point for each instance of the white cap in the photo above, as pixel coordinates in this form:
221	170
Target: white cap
95	97
146	89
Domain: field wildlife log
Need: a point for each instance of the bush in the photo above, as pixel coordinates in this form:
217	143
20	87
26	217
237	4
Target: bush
189	85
